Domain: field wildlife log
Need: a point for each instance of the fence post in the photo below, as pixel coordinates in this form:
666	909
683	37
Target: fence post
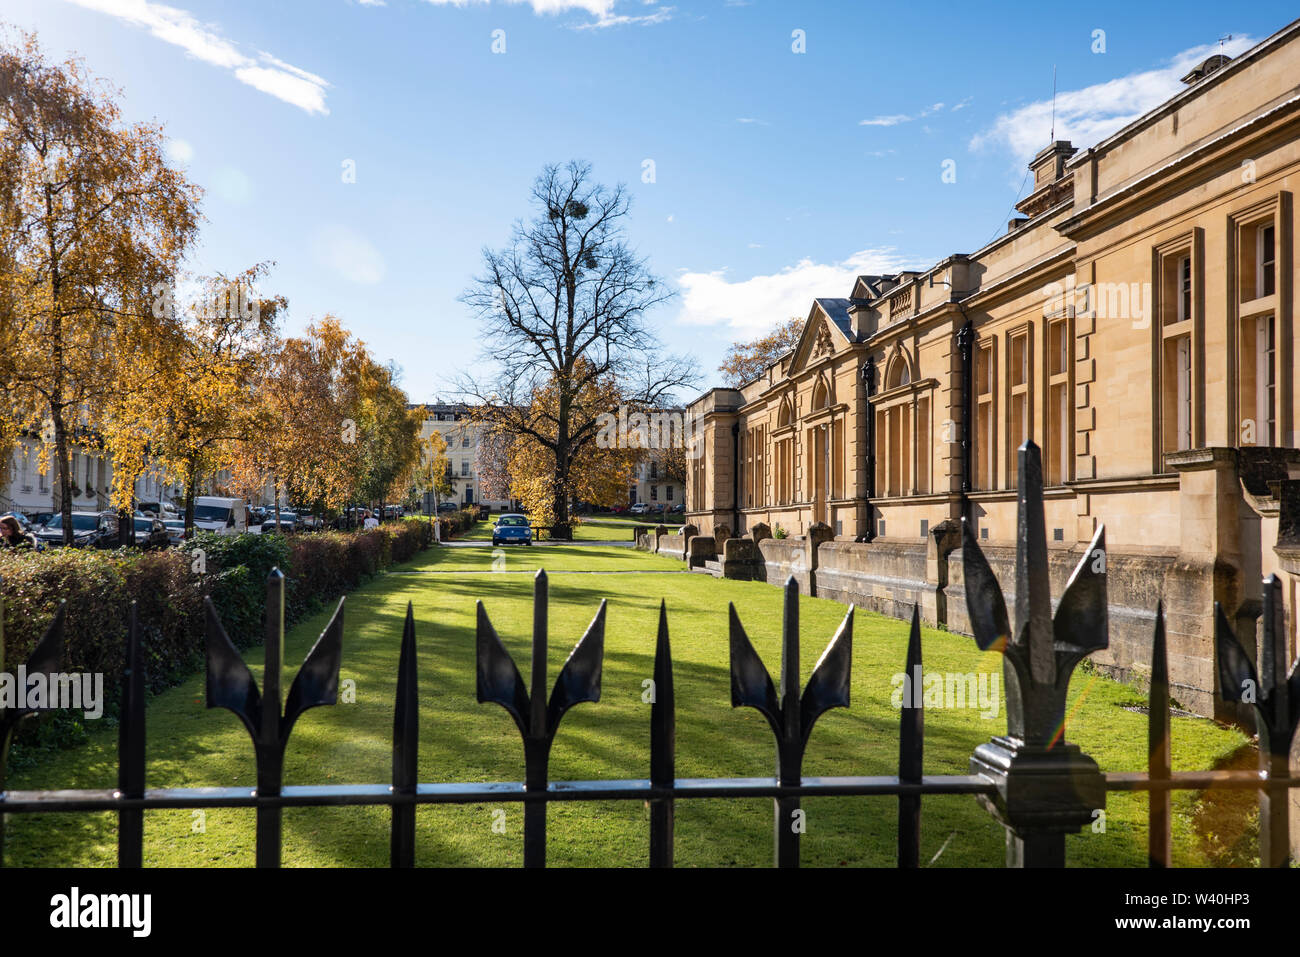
1046	787
130	749
230	685
790	715
663	745
499	682
1276	697
406	737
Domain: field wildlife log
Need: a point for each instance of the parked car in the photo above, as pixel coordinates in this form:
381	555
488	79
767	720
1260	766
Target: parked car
512	529
638	509
447	507
175	530
288	523
161	510
678	509
85	529
225	516
147	533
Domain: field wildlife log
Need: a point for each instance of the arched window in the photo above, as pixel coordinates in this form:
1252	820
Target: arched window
898	373
821	397
783	415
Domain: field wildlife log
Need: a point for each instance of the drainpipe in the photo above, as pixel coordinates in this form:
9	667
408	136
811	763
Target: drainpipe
735	479
869	383
965	349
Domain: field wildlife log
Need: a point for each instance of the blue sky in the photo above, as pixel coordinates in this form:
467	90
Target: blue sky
777	175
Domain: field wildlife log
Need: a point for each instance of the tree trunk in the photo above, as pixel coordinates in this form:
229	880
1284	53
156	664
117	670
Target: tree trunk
61	463
190	495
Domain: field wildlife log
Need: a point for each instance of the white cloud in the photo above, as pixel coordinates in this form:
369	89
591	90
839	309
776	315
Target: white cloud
1088	115
597	8
602	10
349	254
753	306
660	15
203	42
892	120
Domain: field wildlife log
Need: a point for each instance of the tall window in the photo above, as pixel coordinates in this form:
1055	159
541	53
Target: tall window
784	452
1018	401
1057	454
757	475
1258	382
985	437
668	492
1265	261
1257	361
1177	367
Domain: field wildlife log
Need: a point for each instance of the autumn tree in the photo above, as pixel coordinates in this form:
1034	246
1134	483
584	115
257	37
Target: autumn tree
329	425
433	467
746	361
202	406
492	462
563	308
92	219
388	433
598	472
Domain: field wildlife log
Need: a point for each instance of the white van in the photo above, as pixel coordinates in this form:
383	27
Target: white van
225	516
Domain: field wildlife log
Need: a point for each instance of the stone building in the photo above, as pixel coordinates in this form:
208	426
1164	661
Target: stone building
1135	321
461	433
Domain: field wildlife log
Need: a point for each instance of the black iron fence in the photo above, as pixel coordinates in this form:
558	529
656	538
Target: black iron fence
1034	782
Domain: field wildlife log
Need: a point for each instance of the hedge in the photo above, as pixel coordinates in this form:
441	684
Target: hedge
168	588
461	520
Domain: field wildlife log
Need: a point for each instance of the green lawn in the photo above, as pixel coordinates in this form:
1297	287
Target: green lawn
460	740
589	530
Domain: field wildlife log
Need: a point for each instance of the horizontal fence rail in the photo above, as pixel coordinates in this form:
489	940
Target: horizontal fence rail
1031	780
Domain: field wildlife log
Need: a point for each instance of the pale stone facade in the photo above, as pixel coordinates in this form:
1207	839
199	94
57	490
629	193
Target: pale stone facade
1136	323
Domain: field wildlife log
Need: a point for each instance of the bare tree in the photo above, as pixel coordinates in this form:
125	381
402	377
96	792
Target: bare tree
563	308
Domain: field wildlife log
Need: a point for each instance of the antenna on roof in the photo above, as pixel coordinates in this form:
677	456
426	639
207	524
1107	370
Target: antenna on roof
1052	137
1221	39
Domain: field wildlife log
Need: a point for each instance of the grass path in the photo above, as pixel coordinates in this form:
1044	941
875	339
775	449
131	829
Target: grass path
190	746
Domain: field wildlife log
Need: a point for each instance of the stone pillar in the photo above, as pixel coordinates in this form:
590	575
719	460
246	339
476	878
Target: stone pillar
818	532
1210	503
942	540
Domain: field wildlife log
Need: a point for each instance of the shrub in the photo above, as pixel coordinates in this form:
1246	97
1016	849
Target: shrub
168	588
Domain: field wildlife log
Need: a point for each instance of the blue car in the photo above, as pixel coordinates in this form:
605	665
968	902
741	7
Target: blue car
512	530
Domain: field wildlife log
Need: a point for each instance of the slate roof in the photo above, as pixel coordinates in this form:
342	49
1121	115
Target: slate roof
838	311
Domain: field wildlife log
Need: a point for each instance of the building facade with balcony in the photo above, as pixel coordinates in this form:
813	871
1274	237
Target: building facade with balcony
461	433
1136	321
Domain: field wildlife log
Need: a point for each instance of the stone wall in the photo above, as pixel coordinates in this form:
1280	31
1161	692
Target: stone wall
887	577
783	557
674	546
1135	584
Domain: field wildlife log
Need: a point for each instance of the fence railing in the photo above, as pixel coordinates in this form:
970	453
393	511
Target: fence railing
1032	780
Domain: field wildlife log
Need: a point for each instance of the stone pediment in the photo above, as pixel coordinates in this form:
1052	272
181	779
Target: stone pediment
822	334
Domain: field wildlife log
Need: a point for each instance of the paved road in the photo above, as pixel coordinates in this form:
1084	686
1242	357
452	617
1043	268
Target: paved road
461	543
